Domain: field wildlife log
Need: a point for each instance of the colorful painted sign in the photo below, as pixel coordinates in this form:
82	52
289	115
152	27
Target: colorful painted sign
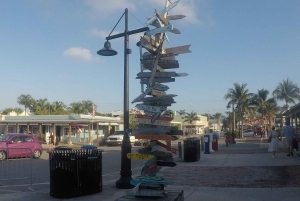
157	93
178	50
159	80
139	156
154	137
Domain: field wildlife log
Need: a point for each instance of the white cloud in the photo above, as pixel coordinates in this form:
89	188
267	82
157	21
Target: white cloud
104	6
99	33
79	53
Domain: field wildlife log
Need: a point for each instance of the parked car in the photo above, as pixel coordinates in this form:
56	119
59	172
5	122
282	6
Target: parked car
117	137
248	133
16	145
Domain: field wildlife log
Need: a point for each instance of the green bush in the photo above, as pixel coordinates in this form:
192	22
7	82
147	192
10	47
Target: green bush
228	134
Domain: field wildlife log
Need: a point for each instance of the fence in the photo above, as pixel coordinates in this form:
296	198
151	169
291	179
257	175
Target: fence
16	164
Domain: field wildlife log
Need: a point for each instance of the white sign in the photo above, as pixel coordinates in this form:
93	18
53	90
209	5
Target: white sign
159	30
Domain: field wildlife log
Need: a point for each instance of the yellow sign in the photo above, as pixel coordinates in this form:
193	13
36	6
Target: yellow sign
139	156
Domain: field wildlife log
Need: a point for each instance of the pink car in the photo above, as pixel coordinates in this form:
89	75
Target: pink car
17	145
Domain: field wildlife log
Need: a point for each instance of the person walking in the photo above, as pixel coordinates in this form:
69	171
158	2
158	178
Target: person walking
288	132
51	141
273	145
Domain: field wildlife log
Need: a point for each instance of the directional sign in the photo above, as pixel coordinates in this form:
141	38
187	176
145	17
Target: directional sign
161	118
149	130
148	55
157	93
166	163
173	150
150	67
154	137
159	80
156	178
158	98
139	156
160	103
159	30
140	97
150	161
165	10
136	182
175	17
161	74
179	49
145	44
160	87
162	18
175	31
162	62
153	109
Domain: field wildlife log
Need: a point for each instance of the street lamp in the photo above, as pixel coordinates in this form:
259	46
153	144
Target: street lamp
124	181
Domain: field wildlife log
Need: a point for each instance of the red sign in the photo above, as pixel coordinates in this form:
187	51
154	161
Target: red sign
154	137
162	118
173	150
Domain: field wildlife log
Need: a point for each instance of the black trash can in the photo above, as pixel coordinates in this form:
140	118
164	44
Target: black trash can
75	173
191	149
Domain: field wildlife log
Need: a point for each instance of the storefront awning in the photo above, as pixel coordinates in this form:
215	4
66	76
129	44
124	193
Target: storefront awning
106	124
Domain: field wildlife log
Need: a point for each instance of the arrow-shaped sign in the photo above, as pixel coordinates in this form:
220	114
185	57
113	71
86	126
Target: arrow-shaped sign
160	102
159	98
173	150
175	17
159	80
165	163
162	18
178	50
140	97
154	137
154	109
159	30
139	156
165	10
161	74
148	55
158	93
160	87
161	118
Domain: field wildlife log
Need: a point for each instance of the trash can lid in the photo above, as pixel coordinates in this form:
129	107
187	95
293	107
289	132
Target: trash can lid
63	148
88	147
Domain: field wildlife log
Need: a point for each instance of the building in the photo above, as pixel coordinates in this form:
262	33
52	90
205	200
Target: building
196	128
68	128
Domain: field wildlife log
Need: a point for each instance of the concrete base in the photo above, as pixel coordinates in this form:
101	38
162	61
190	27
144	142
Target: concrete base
169	196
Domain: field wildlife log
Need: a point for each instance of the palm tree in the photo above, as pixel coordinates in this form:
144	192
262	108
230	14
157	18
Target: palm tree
42	107
76	108
218	116
191	117
18	110
58	108
6	111
25	100
87	106
261	101
181	112
287	91
240	96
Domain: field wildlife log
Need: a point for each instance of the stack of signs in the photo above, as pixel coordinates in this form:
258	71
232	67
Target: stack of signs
149	184
155	124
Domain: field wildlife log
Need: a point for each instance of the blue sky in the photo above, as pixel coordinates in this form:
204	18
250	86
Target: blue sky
48	50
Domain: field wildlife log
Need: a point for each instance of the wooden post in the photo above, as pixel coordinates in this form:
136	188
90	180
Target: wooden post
27	128
97	132
54	132
40	128
90	142
179	150
70	131
6	128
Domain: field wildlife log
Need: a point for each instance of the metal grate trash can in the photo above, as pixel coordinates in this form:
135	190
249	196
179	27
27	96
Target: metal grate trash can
75	173
191	149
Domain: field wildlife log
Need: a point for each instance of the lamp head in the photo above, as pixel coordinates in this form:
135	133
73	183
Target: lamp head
107	50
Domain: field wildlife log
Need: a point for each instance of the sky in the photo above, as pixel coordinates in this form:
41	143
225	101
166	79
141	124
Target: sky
48	50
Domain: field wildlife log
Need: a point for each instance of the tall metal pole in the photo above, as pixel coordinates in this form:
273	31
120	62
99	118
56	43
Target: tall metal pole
233	126
124	181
